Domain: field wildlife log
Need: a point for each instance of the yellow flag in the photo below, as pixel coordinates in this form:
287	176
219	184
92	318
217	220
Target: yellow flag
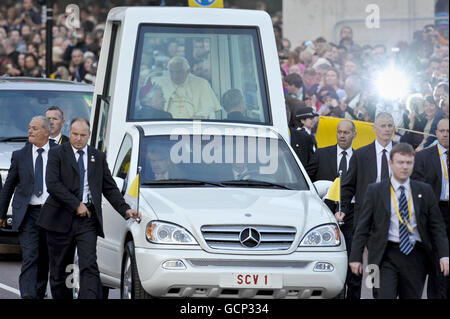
335	190
134	188
206	3
326	132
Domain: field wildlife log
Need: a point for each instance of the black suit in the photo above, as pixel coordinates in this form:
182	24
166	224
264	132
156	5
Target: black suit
303	144
362	171
427	168
323	166
65	229
373	228
20	181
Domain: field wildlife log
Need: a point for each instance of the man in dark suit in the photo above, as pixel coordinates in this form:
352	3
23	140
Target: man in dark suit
56	117
302	140
325	164
234	104
369	164
400	220
431	166
77	176
26	180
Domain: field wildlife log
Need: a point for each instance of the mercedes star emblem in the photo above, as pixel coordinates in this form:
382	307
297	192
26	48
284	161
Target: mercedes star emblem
250	237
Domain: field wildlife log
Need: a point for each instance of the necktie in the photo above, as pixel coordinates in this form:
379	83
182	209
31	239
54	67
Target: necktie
343	163
384	166
39	174
405	243
82	171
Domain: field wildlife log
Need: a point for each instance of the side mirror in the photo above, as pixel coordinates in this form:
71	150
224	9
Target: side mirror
322	187
120	184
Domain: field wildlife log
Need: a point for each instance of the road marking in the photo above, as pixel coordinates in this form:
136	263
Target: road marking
10	289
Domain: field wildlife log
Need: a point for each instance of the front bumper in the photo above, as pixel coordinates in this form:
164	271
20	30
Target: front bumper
214	275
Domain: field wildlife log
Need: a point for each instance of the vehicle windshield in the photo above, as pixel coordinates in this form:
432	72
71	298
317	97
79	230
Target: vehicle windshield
219	161
188	73
18	107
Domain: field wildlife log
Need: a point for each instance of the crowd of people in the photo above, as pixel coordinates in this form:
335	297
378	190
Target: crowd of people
345	80
75	50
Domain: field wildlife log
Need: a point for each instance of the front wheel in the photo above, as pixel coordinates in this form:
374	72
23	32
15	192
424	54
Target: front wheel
130	286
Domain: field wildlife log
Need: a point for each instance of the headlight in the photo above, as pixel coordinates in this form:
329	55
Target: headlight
322	236
164	233
4	174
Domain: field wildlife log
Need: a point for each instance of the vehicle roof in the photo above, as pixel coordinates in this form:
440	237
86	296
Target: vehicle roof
187	128
190	15
30	84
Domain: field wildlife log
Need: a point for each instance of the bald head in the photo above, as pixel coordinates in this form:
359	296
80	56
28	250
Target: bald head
346	133
442	132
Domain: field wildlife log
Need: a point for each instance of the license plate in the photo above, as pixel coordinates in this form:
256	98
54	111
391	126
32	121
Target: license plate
251	280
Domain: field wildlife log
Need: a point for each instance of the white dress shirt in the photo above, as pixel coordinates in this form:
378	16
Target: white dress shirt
86	191
395	223
379	151
56	139
41	199
444	185
349	155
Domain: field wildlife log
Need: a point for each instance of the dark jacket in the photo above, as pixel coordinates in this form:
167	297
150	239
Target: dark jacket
430	139
373	226
20	182
323	164
414	139
150	113
362	171
63	185
303	144
427	168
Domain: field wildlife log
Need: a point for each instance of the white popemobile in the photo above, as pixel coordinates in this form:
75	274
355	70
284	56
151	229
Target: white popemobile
227	208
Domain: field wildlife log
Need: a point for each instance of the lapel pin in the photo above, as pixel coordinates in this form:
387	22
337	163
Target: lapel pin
420	195
92	159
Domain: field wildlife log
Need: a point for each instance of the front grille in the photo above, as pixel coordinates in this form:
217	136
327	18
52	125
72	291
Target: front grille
227	237
247	263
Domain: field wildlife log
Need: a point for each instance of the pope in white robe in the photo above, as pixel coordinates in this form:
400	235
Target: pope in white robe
187	96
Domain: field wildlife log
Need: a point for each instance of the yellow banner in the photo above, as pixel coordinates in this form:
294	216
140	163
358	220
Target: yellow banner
206	3
326	132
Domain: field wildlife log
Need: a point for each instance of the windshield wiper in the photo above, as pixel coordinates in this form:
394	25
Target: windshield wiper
14	139
252	182
181	182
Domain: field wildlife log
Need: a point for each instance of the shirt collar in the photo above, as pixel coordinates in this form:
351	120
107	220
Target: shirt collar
396	184
380	148
57	138
307	130
75	151
46	147
349	150
442	148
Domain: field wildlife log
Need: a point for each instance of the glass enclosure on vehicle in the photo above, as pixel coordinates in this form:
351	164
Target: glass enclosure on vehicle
18	107
208	73
218	161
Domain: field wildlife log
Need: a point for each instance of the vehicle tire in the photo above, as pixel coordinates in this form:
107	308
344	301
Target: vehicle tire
130	284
